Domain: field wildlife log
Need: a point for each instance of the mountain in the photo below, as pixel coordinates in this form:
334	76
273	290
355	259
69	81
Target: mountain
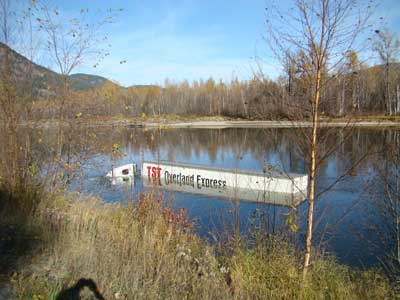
144	87
44	82
83	82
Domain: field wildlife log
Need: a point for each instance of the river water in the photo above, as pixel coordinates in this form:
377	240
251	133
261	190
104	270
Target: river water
347	217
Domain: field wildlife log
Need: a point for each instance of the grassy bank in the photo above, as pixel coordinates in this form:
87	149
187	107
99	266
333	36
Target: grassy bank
148	251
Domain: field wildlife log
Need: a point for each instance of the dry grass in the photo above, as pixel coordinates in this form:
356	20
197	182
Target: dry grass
147	251
277	275
142	251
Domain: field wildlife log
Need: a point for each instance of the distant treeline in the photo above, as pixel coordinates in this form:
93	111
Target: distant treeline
352	89
357	91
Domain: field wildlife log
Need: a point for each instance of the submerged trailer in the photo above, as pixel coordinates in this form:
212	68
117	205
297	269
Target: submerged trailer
269	186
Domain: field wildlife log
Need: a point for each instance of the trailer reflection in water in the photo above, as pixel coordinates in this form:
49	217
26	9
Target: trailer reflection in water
230	193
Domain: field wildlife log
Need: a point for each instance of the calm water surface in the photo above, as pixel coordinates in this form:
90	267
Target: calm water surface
341	213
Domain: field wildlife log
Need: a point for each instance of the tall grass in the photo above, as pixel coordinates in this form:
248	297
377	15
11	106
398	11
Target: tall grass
143	251
277	275
148	251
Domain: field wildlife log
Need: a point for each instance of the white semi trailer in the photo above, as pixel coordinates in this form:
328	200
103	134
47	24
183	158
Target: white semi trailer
287	189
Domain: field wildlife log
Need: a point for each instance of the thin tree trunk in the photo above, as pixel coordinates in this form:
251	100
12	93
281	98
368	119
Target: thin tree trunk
342	98
397	195
398	98
388	102
244	103
311	196
60	135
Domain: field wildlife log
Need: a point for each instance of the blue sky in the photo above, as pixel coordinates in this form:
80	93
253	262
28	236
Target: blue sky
190	39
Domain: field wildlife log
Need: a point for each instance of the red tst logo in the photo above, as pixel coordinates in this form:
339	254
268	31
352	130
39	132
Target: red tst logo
153	172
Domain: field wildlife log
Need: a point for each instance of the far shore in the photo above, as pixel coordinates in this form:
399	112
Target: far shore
269	124
222	122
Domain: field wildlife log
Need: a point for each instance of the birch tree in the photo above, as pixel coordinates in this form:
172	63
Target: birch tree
324	31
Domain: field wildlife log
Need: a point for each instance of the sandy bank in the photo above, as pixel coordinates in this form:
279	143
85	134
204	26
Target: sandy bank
268	124
219	124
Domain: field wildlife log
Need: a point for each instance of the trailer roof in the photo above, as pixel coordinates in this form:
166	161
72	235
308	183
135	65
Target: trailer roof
270	173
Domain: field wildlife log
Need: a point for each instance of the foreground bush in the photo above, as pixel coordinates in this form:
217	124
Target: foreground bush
147	251
277	275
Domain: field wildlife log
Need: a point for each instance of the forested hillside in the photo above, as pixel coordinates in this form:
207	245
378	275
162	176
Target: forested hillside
43	82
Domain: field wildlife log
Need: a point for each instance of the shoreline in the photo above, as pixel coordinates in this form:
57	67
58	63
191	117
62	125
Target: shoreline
269	124
221	123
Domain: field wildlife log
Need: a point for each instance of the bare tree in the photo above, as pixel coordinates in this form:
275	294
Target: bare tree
322	32
71	42
388	46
